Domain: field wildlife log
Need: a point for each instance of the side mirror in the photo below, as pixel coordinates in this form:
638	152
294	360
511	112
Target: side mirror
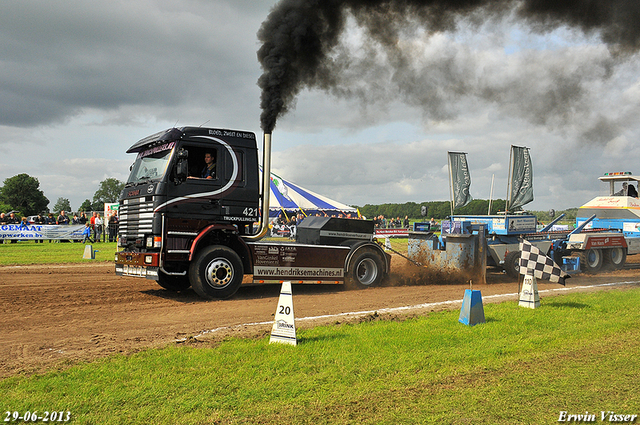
183	154
182	166
182	169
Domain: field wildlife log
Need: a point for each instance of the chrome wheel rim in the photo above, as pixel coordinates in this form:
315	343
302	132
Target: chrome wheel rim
219	273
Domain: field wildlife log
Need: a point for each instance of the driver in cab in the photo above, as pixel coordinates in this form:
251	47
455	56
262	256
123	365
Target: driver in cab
627	190
209	170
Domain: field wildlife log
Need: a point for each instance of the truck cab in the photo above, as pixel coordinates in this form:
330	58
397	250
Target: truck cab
168	204
618	209
187	216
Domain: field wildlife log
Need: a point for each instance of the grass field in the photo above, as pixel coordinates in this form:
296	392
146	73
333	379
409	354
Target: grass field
29	252
576	353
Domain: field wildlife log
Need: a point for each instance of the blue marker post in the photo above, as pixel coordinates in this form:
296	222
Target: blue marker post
471	312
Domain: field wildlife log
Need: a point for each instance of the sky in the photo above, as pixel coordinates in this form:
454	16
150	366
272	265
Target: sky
81	81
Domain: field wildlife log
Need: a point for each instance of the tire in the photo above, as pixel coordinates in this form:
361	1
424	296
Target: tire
366	268
216	272
512	264
615	257
173	283
591	260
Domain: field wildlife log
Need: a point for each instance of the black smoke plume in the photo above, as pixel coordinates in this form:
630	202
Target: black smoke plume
299	36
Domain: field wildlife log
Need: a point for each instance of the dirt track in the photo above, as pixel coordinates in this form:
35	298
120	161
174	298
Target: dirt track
62	314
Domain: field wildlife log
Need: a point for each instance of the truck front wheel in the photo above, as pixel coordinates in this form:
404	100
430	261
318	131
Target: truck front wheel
216	272
366	268
615	257
591	260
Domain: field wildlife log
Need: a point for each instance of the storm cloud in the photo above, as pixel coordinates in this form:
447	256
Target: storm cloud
399	53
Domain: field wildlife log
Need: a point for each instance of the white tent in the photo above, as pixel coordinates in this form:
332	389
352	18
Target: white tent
289	197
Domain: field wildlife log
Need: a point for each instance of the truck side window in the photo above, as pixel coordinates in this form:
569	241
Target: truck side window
203	163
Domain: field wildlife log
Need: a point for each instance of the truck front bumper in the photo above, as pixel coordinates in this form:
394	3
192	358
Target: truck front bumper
137	264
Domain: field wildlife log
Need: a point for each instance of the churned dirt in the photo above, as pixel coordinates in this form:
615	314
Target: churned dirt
56	315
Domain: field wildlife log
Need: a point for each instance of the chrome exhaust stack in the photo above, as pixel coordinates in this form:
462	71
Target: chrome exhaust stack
266	187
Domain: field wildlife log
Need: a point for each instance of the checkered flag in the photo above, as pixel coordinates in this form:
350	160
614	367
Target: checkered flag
543	267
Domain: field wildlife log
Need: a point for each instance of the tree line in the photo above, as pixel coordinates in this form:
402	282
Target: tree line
440	210
22	193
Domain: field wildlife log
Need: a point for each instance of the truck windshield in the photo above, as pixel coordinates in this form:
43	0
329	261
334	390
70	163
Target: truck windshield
150	164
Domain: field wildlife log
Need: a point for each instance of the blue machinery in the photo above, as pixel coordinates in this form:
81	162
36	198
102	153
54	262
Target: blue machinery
469	244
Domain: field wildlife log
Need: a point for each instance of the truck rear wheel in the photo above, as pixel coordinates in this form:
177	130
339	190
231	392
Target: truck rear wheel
173	283
591	260
615	257
512	264
366	268
216	272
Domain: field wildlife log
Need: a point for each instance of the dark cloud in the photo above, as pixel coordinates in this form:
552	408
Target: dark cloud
601	131
299	38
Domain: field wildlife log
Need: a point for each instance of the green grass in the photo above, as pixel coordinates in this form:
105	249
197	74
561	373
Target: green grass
576	353
52	253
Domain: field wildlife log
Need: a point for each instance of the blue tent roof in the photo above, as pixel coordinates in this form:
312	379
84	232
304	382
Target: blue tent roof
291	197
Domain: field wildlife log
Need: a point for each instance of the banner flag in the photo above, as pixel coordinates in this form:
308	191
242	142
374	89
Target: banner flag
460	179
521	178
277	182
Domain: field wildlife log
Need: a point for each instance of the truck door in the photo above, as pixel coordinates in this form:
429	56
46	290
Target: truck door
213	171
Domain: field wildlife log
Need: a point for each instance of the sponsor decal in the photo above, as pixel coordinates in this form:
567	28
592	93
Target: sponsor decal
240	134
281	324
351	235
248	219
267	261
596	242
157	149
522	224
298	272
35	232
631	227
392	232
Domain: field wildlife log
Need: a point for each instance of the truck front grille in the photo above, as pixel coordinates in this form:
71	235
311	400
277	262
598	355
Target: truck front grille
136	217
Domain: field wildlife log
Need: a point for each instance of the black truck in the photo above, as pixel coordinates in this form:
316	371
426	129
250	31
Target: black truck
193	214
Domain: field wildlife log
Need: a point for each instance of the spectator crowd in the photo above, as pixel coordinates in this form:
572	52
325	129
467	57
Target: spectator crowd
392	223
97	231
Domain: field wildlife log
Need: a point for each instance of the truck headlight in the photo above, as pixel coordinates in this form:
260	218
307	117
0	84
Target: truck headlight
149	241
148	259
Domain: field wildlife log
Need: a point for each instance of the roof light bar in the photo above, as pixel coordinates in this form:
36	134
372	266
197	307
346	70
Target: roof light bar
619	173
